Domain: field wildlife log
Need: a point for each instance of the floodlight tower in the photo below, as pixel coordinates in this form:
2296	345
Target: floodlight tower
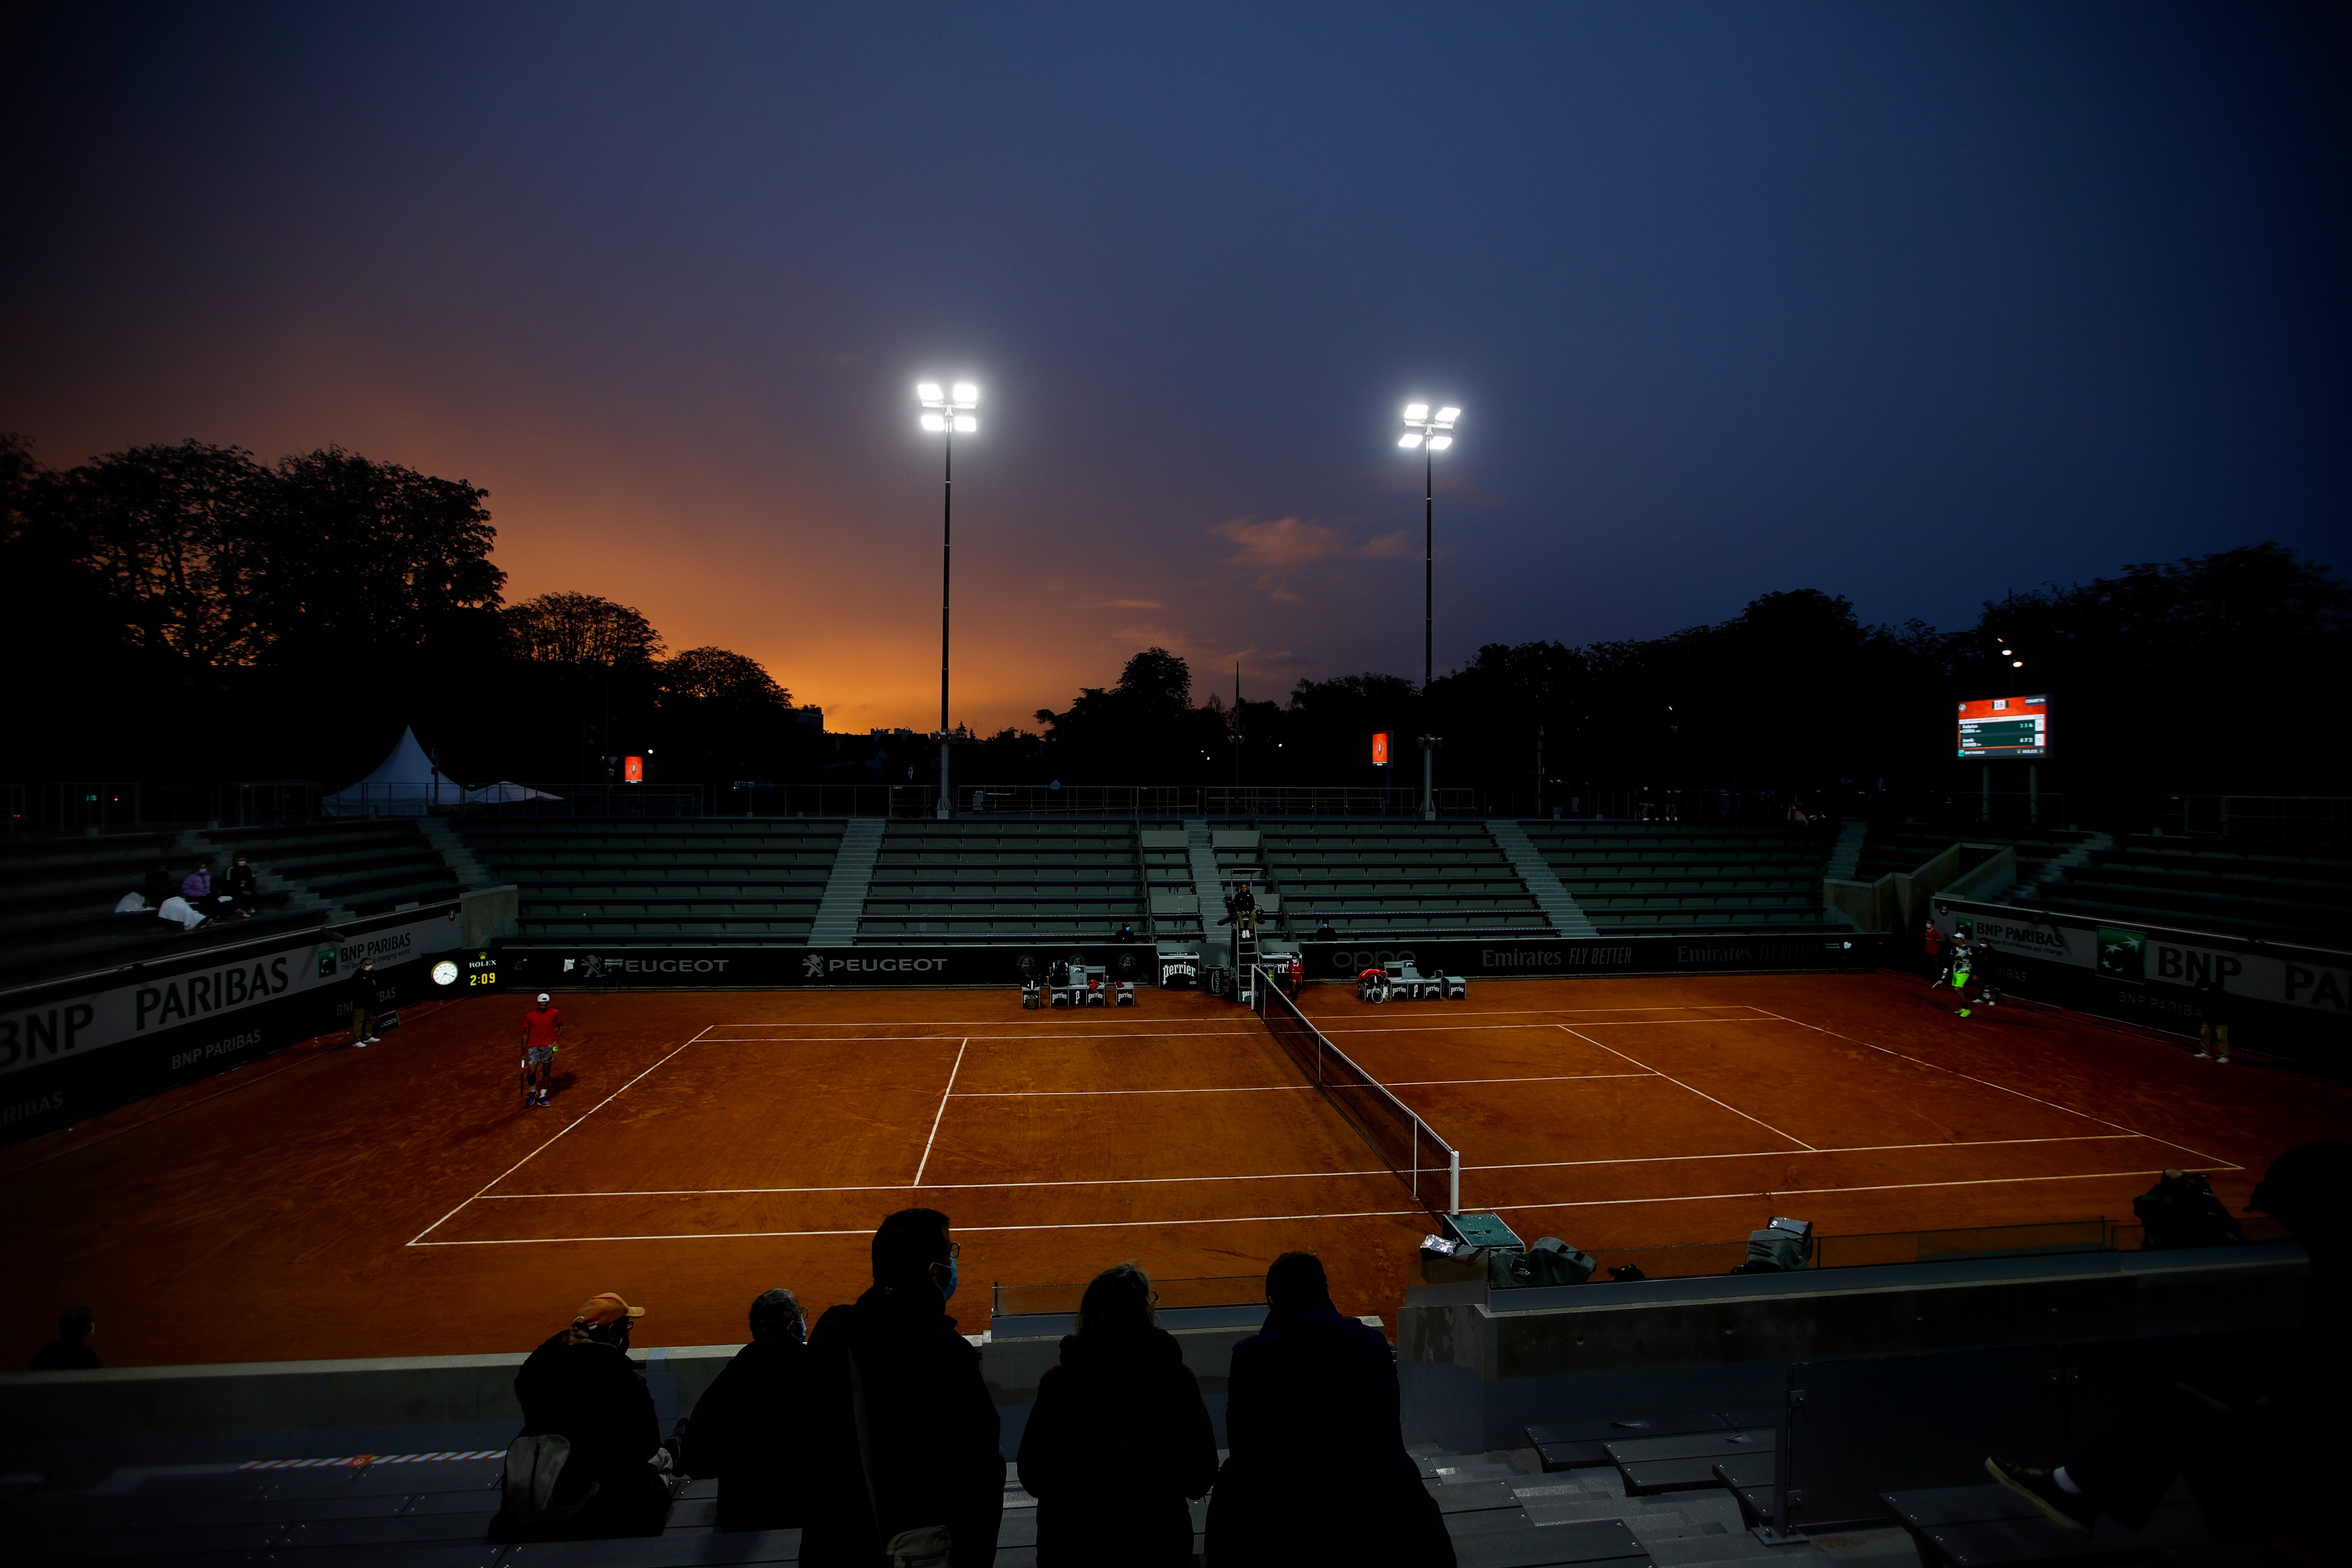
947	412
1433	433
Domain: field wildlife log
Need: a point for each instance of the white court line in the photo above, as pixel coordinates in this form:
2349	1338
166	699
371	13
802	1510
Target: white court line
1583	1024
418	1239
947	1186
1788	1153
961	1229
1887	1051
1265	1219
1783	1192
1305	1175
1700	1092
1278	1088
937	1115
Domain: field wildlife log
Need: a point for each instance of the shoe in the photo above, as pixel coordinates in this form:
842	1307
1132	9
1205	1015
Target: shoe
2221	1061
360	1045
1964	1012
374	1041
2072	1510
2204	1055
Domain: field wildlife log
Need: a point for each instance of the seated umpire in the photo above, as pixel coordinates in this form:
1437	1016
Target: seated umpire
895	1395
581	1386
1318	1472
747	1428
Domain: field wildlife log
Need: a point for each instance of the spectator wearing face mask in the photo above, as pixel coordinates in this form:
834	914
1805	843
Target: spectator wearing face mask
903	1433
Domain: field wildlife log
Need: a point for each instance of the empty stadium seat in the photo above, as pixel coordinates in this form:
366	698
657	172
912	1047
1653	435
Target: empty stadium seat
1676	878
1419	879
959	882
707	880
2272	894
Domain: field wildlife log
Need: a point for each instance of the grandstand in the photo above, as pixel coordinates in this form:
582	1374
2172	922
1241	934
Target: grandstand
1630	878
663	881
959	882
2303	896
1389	880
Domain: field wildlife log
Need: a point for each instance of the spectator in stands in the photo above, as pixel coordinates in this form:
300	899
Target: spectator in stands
160	885
1126	931
2262	1460
748	1425
245	888
359	993
1324	932
1118	1437
903	1433
2213	1019
581	1386
1318	1472
178	908
69	1351
197	887
2181	1210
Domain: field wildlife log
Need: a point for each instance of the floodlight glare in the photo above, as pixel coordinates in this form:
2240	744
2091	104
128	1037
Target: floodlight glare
2017	664
934	423
928	391
965	392
1439	443
1448	415
965	424
1410	438
1416	410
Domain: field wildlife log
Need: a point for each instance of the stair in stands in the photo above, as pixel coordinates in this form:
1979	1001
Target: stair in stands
1201	854
469	871
845	891
1558	905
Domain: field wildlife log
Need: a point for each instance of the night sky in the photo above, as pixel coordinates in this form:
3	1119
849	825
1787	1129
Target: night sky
1911	304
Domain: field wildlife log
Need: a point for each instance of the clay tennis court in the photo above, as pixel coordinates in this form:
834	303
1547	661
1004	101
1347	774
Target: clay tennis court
705	1146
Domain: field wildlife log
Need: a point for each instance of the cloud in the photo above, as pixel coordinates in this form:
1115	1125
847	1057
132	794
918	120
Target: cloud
1387	546
1133	604
1278	542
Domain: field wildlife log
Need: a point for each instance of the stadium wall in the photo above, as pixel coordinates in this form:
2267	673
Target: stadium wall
71	1048
1604	955
649	966
2289	1001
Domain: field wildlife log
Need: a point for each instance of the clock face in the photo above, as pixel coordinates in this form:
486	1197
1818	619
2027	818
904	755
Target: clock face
444	974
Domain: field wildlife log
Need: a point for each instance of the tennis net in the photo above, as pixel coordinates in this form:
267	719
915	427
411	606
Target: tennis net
1425	1163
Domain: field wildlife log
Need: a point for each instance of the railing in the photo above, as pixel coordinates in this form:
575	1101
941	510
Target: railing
36	809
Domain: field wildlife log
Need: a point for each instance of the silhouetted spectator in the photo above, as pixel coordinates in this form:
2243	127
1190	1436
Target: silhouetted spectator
160	885
1318	1472
1125	932
1118	1437
243	885
2213	1004
360	995
2181	1210
750	1427
69	1351
1324	932
177	910
2262	1460
581	1386
896	1395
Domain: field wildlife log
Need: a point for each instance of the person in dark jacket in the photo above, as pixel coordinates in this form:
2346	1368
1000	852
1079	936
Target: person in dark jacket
1118	1437
925	1426
359	994
244	886
582	1386
747	1426
160	885
1318	1473
69	1351
2212	1018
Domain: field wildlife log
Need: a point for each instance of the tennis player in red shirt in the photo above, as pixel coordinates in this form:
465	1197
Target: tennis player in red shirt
540	1027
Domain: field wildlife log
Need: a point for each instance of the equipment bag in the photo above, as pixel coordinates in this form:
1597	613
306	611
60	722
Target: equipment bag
1553	1262
534	1465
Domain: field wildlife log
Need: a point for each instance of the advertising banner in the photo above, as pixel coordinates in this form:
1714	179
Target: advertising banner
72	1047
1644	954
617	966
2294	1000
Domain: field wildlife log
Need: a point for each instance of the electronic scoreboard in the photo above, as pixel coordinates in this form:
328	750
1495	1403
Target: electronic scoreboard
1995	728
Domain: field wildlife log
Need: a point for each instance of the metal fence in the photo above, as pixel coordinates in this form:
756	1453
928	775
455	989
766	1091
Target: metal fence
36	809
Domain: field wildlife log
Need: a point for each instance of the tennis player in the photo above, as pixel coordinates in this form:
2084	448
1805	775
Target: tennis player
541	1026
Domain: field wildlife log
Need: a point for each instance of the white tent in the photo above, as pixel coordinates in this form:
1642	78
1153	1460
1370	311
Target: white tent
406	784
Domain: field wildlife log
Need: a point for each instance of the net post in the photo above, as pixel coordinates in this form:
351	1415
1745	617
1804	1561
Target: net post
1453	1180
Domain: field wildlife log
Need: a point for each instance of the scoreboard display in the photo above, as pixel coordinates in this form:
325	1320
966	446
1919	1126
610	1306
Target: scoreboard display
1995	728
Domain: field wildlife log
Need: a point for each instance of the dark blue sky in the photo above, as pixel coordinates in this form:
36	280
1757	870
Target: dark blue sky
1913	304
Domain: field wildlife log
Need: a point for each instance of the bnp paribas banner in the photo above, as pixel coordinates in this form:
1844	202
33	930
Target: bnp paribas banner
76	1018
2305	977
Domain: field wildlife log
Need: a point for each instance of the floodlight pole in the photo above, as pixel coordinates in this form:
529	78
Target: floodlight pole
946	807
1428	564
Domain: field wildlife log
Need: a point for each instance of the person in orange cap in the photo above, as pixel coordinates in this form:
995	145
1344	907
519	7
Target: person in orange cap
581	1386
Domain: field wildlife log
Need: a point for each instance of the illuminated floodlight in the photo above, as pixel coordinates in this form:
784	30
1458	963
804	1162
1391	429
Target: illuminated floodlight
1448	415
1439	443
935	423
2017	664
1410	439
928	391
965	424
966	392
1416	410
